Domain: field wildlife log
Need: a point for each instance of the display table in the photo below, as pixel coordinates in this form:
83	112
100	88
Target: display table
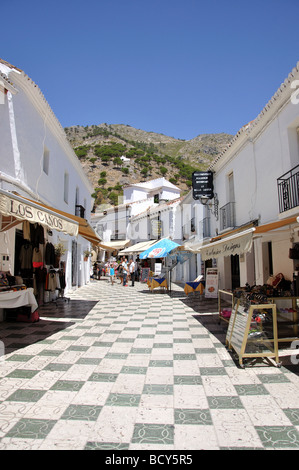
154	282
14	299
194	286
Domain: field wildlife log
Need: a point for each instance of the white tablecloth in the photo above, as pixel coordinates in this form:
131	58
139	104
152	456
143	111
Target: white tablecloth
14	299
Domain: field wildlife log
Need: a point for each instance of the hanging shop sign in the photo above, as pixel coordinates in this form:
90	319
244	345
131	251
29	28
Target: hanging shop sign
202	184
21	209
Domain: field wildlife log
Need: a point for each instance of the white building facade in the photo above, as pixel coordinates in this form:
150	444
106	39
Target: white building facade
257	195
39	166
140	217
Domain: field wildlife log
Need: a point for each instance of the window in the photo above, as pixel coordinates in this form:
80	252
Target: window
46	159
156	198
66	187
231	189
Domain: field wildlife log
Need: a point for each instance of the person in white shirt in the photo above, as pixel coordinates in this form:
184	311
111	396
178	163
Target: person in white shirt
125	271
132	271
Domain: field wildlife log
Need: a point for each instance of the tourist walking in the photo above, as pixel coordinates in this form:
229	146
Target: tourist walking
132	271
125	271
111	274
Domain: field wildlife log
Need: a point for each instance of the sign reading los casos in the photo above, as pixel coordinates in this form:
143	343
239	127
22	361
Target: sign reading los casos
21	210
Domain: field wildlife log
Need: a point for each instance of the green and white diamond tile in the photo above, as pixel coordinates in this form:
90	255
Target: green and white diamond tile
125	369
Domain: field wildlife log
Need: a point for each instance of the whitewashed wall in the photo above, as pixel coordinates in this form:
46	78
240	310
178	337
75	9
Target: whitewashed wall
262	153
28	127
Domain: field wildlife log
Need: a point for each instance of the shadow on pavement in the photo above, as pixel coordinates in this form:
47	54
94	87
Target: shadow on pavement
53	319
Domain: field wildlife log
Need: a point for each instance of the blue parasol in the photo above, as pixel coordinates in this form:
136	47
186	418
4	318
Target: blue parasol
159	249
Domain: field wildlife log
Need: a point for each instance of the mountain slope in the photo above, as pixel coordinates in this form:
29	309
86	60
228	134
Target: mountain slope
116	155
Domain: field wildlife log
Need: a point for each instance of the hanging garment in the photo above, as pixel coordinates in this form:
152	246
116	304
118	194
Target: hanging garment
58	281
51	281
37	258
62	280
41	275
26	256
26	230
50	254
37	234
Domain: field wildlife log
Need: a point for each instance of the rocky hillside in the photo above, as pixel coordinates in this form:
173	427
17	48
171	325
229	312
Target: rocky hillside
115	155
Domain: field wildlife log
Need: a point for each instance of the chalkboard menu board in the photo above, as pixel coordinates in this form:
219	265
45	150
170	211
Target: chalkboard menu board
144	274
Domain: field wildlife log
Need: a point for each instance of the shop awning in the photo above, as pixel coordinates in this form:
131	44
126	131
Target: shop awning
194	246
232	245
237	242
137	248
114	245
277	225
15	209
84	228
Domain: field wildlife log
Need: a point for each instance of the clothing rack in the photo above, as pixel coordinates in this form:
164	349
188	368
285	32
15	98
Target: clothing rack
39	265
61	296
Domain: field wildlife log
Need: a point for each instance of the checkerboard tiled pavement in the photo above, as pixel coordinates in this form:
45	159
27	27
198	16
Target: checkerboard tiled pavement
122	368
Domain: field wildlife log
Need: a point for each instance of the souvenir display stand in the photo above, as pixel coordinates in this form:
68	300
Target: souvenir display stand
280	295
287	318
225	304
252	331
39	279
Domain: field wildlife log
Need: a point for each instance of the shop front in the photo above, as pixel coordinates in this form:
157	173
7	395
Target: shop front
263	314
232	255
254	255
35	247
112	249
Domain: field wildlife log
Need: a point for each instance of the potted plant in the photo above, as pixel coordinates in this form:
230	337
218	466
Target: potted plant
59	251
87	254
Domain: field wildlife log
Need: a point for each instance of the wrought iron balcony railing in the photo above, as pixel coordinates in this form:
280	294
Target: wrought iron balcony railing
118	235
204	227
227	216
288	190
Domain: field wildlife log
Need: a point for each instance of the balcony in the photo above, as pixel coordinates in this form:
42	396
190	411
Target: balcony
227	216
189	229
204	228
288	190
118	235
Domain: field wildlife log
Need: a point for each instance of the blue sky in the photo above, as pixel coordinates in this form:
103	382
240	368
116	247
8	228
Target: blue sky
180	68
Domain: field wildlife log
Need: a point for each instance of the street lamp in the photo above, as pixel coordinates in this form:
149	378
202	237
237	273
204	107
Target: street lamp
213	207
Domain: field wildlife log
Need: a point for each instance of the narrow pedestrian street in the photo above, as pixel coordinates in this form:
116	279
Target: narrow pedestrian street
121	368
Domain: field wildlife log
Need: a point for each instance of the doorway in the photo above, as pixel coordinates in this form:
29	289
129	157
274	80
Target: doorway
235	271
74	264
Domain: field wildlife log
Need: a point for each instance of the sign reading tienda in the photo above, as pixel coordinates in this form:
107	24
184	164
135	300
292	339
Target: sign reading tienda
202	184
